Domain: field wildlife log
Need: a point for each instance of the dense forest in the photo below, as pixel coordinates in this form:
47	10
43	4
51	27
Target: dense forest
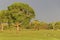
19	16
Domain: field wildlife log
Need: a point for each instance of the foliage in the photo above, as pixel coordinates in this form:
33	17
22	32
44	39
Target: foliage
57	25
17	14
22	13
50	26
39	25
54	25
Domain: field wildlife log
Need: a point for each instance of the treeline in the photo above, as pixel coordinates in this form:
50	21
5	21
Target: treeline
37	25
19	15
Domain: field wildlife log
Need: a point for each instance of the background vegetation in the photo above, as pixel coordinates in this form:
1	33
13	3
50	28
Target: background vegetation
19	16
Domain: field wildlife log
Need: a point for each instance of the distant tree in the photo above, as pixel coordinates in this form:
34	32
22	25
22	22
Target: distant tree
39	25
52	25
57	25
35	24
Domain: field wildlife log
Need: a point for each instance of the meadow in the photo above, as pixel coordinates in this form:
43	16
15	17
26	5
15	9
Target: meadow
30	35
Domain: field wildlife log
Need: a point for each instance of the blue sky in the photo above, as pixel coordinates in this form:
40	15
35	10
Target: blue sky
45	10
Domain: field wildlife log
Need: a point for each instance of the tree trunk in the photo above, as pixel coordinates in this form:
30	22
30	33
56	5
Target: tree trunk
17	28
18	25
2	27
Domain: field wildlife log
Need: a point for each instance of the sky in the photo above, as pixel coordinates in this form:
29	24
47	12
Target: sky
45	10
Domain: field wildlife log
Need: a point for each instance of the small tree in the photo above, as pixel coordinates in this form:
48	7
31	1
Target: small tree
3	18
57	25
39	25
52	25
35	24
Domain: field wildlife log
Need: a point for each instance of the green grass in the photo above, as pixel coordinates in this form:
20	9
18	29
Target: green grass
30	35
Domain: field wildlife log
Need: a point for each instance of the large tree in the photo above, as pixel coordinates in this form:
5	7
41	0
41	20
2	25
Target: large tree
21	13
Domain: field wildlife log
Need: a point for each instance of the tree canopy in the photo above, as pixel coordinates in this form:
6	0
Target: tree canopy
17	13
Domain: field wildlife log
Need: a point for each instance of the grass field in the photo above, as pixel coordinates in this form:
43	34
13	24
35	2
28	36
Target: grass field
30	35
